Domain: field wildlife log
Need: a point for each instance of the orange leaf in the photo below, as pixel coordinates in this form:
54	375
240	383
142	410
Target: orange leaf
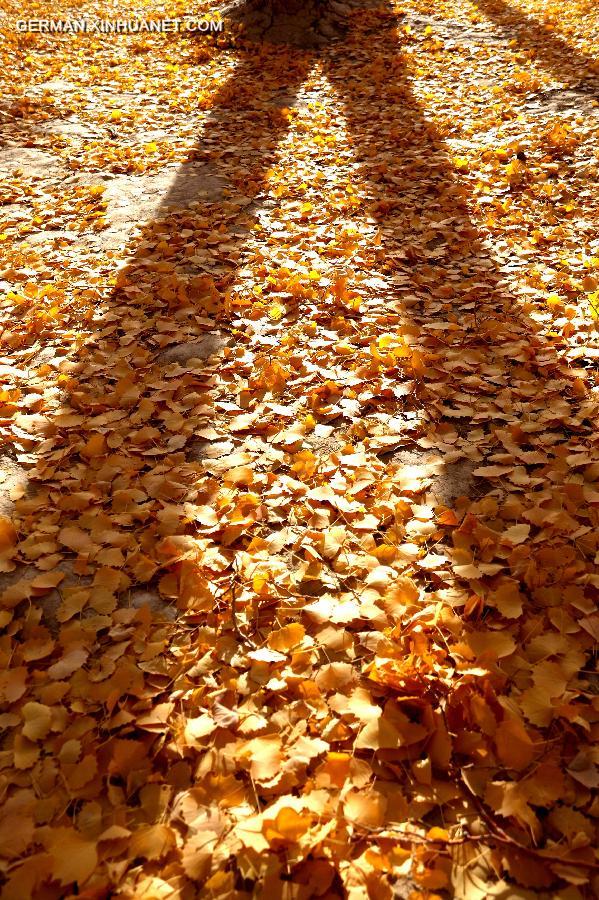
73	858
289	826
95	446
514	746
8	534
37	720
152	842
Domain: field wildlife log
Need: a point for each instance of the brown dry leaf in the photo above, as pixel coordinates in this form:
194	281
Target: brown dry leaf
76	539
198	728
13	683
198	853
508	599
74	859
71	660
491	645
365	809
37	719
25	752
94	446
152	842
16	833
46	582
263	756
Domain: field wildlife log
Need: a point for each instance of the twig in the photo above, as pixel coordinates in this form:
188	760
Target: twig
489	838
238	633
502	837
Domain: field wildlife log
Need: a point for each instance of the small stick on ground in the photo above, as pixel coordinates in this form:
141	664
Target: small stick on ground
243	638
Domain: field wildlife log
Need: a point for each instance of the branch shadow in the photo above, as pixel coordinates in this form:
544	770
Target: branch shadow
543	43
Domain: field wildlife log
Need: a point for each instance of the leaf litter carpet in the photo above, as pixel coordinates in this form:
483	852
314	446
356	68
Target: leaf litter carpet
300	468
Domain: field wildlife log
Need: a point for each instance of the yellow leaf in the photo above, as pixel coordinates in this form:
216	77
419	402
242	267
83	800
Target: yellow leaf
260	582
197	854
289	826
276	311
437	834
335	768
491	645
507	598
37	720
516	534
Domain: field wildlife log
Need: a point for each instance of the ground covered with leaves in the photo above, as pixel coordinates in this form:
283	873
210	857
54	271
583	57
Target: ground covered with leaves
300	466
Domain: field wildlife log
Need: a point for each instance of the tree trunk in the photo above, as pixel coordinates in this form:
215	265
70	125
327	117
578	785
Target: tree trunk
300	23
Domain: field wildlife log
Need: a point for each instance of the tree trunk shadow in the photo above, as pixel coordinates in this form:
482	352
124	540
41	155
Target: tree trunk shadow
170	295
494	388
430	246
